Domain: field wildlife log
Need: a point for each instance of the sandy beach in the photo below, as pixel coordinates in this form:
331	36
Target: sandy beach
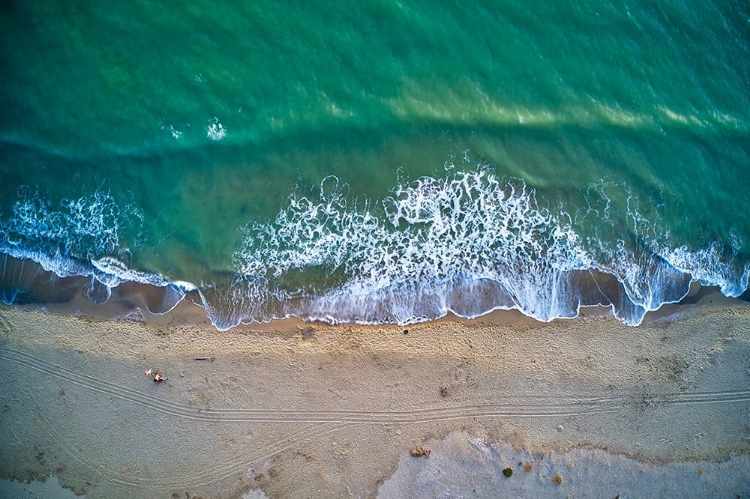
573	408
374	250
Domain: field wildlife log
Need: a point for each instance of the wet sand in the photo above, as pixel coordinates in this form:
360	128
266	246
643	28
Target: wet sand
295	410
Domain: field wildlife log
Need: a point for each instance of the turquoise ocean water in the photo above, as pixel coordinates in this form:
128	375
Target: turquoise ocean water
376	162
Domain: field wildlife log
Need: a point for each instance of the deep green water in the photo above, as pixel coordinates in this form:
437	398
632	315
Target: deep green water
627	122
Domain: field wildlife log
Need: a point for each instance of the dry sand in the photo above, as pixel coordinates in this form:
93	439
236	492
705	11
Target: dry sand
292	410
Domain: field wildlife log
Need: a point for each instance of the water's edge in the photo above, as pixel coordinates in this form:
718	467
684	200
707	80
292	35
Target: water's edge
26	282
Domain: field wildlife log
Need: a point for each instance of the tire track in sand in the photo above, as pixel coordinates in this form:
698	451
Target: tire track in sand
538	406
324	422
573	406
180	478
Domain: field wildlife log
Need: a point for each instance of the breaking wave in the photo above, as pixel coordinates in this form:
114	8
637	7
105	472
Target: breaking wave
467	243
77	238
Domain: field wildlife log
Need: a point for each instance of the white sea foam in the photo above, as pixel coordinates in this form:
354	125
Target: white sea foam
711	267
80	228
468	243
76	238
112	272
216	130
176	134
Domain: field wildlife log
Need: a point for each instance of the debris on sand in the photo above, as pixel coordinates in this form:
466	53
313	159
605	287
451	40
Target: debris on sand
157	376
419	451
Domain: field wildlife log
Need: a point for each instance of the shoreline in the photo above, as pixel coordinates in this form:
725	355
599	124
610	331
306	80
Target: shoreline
132	300
156	300
188	313
297	408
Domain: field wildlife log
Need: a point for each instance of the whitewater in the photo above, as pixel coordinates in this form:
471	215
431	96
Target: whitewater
468	242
